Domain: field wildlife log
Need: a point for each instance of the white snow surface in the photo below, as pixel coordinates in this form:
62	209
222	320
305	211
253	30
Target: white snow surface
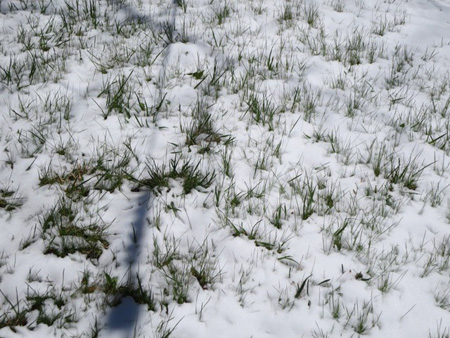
372	258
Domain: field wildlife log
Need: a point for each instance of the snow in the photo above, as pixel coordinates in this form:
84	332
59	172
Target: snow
296	234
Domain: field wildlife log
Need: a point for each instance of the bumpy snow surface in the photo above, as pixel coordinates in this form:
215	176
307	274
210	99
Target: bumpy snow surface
206	168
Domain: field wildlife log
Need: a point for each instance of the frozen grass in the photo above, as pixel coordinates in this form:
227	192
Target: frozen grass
226	169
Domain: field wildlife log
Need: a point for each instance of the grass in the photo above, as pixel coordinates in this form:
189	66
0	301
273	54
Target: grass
190	175
118	96
65	231
262	111
8	200
15	314
201	130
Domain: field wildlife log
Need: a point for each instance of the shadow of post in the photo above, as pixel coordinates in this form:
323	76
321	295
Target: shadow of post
122	319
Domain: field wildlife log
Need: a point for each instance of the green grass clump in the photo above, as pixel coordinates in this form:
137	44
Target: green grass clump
190	175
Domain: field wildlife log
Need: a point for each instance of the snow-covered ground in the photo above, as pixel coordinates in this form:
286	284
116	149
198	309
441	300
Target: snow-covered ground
260	168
